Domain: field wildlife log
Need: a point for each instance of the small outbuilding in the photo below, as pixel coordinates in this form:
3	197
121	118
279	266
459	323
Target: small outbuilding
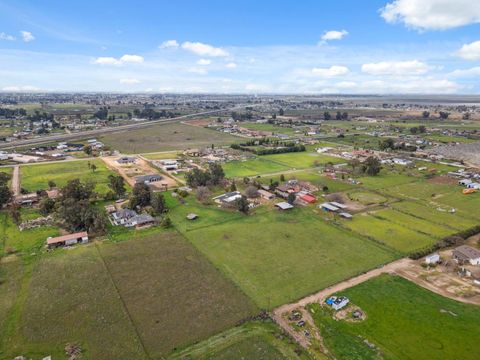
284	205
67	240
192	216
432	259
466	254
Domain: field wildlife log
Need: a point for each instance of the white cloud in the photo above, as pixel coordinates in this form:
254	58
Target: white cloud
432	14
204	49
465	73
27	36
204	62
470	51
20	88
332	71
131	59
129	81
169	44
231	65
198	70
334	35
109	60
411	67
4	36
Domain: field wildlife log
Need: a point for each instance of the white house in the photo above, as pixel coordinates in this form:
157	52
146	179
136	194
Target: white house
432	259
465	182
474	185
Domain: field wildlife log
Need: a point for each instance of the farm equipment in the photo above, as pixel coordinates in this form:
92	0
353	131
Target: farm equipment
469	191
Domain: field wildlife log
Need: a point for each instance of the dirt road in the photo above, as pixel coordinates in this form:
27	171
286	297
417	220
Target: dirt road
16	181
281	313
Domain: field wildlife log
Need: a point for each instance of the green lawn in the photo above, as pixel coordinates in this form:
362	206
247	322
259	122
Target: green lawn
366	197
404	321
36	177
302	160
385	180
253	167
278	257
252	340
432	214
415	223
398	237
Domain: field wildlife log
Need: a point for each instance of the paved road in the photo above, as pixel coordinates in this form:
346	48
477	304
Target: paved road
93	133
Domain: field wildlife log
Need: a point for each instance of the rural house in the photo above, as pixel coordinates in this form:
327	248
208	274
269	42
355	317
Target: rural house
126	160
122	216
67	240
466	254
228	197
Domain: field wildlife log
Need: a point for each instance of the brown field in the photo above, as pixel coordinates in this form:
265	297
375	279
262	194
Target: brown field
165	137
165	283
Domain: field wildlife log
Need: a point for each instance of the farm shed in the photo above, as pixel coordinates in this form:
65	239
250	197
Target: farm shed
338	205
66	240
328	207
147	179
192	216
346	215
284	206
340	303
310	199
465	182
466	254
266	194
432	259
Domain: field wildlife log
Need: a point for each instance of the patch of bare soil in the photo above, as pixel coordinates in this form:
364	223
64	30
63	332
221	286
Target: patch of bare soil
352	313
344	199
443	180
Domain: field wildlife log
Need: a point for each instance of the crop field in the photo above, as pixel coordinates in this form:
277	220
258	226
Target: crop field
71	299
165	283
302	160
398	237
161	155
252	167
279	257
434	215
270	127
422	190
404	321
165	138
414	223
385	180
36	177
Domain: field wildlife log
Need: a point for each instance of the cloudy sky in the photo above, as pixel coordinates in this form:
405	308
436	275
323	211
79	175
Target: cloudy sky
351	47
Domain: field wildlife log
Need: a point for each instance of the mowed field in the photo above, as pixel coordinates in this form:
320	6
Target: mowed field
138	296
404	321
165	138
36	177
268	164
278	257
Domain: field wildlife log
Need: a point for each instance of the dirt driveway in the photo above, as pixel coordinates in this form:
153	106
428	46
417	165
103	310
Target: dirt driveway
140	167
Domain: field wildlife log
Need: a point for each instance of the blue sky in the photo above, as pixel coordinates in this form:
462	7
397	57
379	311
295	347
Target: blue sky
388	46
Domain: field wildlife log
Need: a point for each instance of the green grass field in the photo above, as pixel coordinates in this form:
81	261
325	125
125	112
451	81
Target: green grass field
36	177
404	321
165	138
277	257
252	340
366	197
398	237
252	167
303	160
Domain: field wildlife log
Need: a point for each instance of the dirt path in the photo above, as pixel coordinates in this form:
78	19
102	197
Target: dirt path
16	181
281	313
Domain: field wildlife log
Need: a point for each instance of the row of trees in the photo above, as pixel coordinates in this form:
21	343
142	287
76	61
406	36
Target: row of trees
152	114
339	116
12	113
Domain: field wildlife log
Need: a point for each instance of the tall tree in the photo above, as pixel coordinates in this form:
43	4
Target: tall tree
117	184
